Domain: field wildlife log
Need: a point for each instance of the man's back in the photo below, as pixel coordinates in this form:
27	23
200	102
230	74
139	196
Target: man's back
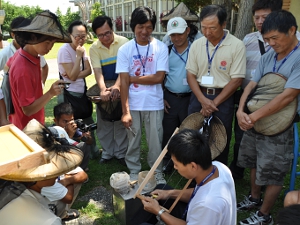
28	209
216	200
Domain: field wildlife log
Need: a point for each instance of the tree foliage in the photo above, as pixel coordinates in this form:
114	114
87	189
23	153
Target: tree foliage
67	19
12	11
195	5
96	11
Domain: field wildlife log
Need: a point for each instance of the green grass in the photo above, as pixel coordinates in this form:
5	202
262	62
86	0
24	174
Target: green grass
99	174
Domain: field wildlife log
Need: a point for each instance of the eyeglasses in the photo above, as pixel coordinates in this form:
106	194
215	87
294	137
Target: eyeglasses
78	37
106	34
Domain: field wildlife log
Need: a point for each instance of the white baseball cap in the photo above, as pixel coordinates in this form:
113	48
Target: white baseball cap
176	25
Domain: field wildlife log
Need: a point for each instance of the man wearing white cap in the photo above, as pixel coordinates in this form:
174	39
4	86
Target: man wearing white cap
176	89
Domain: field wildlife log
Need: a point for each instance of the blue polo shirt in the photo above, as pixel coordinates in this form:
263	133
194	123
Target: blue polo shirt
176	79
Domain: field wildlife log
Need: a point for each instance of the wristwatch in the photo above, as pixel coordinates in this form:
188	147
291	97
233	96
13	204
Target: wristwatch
159	214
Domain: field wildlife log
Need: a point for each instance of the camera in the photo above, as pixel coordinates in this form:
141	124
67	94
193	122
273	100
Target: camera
66	85
84	127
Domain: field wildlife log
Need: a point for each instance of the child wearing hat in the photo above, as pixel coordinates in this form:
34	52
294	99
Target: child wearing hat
25	74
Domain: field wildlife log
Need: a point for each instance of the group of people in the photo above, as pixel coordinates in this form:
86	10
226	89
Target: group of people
158	86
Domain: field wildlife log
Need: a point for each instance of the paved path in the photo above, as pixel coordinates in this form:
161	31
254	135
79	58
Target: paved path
53	69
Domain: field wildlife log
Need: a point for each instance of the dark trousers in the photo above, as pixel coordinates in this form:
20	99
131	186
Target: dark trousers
225	114
177	113
237	172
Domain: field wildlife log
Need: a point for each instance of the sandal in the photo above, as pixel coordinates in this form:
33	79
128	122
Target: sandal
71	214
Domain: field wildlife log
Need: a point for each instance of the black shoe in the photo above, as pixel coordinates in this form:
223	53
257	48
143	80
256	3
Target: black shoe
103	161
122	161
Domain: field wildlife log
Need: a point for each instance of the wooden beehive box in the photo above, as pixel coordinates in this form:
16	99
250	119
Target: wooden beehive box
18	151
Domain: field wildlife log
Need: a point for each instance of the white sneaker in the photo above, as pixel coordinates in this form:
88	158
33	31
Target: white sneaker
159	177
133	177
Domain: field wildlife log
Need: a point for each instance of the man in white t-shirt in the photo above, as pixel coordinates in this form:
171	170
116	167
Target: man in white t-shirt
142	64
64	192
213	199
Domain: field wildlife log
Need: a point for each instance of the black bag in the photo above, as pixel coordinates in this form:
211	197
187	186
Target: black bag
7	94
82	106
110	111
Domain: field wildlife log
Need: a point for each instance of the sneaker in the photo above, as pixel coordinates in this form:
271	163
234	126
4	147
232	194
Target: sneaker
159	177
249	203
133	177
258	219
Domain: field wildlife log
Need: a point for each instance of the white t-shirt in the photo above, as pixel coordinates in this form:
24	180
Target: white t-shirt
143	97
214	202
66	54
58	191
55	192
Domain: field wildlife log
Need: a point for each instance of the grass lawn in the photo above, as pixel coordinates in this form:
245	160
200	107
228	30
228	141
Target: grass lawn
100	174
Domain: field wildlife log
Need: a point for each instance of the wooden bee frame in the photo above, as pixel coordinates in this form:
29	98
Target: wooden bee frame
19	152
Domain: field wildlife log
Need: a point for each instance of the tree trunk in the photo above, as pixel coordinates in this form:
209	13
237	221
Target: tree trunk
244	21
228	5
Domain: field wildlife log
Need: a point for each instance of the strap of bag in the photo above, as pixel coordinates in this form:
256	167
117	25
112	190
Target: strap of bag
261	47
82	62
85	88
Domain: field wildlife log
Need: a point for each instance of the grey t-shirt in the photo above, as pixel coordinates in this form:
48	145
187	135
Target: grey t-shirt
290	69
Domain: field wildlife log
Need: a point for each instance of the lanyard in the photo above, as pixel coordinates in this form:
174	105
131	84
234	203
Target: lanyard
197	188
140	57
275	58
175	51
215	50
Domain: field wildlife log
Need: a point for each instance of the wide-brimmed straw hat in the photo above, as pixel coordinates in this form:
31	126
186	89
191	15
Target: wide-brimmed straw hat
110	110
268	87
63	158
217	132
95	90
45	23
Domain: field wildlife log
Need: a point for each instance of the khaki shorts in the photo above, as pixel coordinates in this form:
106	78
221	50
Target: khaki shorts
271	156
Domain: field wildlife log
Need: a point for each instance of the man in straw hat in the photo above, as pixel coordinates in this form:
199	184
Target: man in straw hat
21	202
213	199
142	63
216	67
270	157
255	48
176	89
25	74
103	54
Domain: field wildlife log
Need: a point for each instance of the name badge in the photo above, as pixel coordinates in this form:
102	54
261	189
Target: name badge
207	80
